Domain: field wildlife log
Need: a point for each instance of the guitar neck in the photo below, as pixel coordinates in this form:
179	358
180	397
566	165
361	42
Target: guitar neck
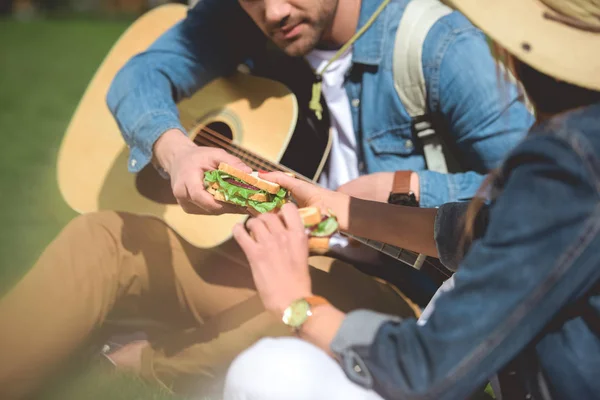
410	258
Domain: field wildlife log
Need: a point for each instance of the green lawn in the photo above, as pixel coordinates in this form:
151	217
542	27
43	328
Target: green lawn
44	68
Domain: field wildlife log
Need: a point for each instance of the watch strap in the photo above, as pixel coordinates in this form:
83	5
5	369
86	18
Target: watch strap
315	301
401	183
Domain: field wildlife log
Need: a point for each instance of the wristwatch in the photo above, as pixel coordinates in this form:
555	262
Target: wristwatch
401	193
298	312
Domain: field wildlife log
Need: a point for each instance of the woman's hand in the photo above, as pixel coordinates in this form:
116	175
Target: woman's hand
276	246
310	195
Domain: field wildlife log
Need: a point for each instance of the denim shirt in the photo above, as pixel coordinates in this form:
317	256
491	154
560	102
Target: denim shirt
462	83
530	281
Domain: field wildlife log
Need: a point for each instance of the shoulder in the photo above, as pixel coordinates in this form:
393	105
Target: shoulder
225	13
570	142
577	131
448	31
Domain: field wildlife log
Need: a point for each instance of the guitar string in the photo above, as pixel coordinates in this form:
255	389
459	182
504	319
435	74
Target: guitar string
225	143
262	163
213	137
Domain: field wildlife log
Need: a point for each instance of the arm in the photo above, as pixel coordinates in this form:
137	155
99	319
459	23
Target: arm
380	222
530	263
371	219
143	96
205	45
483	114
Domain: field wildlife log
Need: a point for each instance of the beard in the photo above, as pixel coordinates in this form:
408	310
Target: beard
301	45
313	31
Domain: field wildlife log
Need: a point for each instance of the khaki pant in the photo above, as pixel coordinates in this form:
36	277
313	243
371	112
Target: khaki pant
115	266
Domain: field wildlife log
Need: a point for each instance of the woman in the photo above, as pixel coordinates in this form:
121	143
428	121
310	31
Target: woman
526	298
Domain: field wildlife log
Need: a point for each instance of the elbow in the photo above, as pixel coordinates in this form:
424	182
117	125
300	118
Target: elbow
123	83
115	92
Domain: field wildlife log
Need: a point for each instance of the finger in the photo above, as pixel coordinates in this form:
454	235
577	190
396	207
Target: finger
252	211
273	223
196	192
258	230
243	238
190	207
200	197
228	208
291	217
281	179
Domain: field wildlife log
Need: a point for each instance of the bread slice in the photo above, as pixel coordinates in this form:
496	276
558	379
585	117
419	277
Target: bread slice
318	244
253	180
310	215
216	194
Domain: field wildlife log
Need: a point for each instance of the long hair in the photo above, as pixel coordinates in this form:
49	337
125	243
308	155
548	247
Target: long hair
547	95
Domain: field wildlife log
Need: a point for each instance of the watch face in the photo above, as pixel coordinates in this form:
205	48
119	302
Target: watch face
403	199
296	313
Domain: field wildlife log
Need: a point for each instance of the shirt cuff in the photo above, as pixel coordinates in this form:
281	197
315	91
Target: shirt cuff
358	331
448	232
434	188
145	134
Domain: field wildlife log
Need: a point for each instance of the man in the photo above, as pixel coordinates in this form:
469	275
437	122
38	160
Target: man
374	150
120	265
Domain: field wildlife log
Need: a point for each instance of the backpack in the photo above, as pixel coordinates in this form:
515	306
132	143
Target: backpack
409	79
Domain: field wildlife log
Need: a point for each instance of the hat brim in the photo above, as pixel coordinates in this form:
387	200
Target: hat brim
554	48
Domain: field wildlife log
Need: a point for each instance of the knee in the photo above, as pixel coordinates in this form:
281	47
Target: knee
84	224
101	228
281	368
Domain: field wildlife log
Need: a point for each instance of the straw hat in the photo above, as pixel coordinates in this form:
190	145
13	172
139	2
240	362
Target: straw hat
560	38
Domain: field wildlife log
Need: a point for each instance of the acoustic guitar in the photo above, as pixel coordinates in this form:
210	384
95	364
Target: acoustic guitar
252	117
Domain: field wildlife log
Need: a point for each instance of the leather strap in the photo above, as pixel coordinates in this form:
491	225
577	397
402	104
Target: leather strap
316	301
401	182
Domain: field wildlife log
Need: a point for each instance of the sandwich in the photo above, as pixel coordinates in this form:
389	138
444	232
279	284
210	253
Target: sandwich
319	227
231	185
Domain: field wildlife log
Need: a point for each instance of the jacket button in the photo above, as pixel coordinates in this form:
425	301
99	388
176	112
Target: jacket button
355	103
361	166
133	163
408	144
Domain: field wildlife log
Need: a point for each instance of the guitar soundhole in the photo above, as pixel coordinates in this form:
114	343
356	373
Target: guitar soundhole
154	187
215	134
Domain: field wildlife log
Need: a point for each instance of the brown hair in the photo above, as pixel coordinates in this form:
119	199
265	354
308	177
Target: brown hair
548	97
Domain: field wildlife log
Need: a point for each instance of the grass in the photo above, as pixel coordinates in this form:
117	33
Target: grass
45	66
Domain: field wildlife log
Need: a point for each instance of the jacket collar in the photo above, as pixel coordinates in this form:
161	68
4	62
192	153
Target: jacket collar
368	49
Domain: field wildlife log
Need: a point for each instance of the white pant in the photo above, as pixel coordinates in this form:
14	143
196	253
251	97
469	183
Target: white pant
289	369
292	369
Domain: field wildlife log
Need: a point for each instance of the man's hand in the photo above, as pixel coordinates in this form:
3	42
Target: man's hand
374	187
276	246
186	164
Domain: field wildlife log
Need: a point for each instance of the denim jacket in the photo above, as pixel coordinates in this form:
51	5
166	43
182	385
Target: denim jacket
529	284
462	83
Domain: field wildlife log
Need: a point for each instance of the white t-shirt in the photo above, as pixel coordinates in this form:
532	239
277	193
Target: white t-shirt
343	162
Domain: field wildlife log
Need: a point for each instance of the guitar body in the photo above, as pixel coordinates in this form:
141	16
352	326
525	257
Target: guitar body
254	113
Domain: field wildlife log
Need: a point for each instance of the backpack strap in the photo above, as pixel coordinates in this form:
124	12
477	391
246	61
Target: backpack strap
409	80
